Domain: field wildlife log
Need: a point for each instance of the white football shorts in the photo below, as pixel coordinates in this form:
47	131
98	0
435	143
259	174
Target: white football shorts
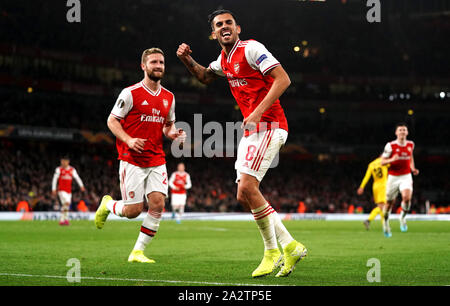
178	199
64	197
257	151
396	184
136	182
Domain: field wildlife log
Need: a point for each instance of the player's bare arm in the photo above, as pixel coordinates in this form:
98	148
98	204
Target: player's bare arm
136	144
414	170
280	84
365	180
203	74
385	161
171	132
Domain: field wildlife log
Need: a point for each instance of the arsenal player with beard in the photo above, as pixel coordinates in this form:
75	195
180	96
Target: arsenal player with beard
142	114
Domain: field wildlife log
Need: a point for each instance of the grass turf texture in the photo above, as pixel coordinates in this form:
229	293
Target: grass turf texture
204	253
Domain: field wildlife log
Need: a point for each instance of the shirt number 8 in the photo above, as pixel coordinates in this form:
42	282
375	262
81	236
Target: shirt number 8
250	152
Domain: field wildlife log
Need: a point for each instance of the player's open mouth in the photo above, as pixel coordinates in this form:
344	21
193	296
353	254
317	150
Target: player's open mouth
226	34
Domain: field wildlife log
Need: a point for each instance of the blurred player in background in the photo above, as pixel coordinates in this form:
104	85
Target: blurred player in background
62	185
179	182
379	174
399	154
142	115
256	81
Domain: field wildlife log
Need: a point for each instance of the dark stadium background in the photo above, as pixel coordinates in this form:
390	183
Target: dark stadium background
352	81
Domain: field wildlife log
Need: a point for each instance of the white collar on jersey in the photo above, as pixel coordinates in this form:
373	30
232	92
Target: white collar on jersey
236	44
398	142
150	91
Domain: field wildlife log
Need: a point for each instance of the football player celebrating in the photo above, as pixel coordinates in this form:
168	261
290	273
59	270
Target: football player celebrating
179	182
142	115
399	154
256	80
62	186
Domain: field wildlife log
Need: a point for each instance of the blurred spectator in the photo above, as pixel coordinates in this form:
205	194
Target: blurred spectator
81	206
23	206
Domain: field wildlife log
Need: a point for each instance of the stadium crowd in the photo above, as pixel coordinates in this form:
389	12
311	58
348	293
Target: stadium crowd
27	168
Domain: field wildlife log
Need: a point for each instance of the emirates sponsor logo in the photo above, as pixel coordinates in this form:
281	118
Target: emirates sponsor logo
152	118
155	117
237	82
403	157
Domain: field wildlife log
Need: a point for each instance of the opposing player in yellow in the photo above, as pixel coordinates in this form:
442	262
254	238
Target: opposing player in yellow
379	174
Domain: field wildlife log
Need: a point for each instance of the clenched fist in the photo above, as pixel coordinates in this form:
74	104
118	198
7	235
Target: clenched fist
183	51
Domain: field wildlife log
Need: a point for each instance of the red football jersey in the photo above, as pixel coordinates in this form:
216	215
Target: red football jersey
179	182
62	179
401	166
143	114
245	67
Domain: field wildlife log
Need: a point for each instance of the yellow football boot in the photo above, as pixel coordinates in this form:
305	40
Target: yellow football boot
138	256
272	259
102	212
293	253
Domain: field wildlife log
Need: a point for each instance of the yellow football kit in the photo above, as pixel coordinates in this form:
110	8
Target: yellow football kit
379	174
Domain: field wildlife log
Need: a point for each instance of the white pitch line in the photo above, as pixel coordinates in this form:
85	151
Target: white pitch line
219	229
136	280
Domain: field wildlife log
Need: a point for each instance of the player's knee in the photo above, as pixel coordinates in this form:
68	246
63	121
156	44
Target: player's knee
406	199
240	197
249	189
406	205
156	201
245	191
158	206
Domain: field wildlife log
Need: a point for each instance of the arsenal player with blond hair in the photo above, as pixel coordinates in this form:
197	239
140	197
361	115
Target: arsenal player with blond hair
141	116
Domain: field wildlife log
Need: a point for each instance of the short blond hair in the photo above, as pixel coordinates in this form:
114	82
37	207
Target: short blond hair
147	52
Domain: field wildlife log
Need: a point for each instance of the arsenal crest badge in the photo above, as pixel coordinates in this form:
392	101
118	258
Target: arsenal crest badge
236	67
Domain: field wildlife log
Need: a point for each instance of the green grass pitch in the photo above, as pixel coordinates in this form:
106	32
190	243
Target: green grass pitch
221	253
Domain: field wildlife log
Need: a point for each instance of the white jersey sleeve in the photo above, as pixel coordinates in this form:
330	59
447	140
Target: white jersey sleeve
123	104
387	150
259	58
216	66
171	115
55	178
77	178
188	181
171	180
